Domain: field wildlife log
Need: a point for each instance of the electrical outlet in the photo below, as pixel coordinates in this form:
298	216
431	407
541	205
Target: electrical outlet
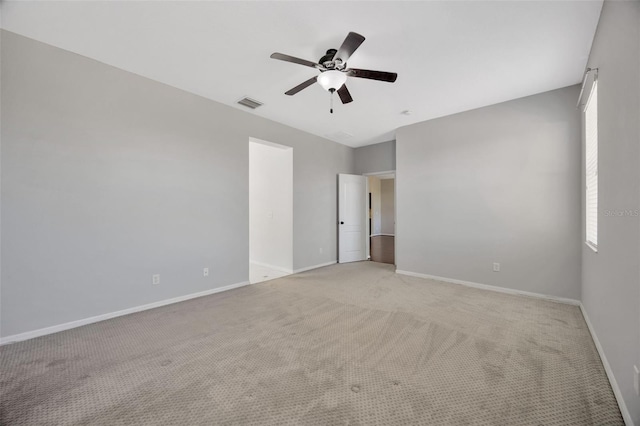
496	267
205	272
156	279
636	380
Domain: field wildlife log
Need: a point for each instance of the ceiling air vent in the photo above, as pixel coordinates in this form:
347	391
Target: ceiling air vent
250	103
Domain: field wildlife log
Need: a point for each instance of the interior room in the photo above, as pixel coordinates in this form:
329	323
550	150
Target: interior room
314	213
382	223
270	211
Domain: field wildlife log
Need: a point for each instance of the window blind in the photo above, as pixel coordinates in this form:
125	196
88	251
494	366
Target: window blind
591	166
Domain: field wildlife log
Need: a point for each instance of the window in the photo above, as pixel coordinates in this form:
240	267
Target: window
591	166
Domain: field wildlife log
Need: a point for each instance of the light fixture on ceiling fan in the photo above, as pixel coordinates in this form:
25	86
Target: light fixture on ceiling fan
332	80
334	72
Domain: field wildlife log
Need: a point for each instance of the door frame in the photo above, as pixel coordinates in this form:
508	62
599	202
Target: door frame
284	266
395	211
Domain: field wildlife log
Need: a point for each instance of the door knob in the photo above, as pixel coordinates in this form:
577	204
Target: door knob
341	223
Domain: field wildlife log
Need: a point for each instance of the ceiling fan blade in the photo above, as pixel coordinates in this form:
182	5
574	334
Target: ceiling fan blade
344	94
389	77
349	45
301	86
287	58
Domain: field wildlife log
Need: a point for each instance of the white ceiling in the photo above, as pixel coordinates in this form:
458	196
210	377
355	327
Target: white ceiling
450	56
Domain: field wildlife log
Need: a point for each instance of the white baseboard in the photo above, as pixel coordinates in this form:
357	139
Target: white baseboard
626	415
275	268
78	323
491	287
308	268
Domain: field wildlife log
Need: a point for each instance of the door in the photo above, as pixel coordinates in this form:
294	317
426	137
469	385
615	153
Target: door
352	225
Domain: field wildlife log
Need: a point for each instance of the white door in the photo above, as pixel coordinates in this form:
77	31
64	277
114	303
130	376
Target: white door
352	214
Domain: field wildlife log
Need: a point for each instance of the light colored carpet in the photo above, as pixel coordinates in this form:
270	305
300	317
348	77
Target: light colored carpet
347	344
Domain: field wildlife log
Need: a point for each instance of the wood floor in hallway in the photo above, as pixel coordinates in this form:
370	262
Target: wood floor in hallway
383	249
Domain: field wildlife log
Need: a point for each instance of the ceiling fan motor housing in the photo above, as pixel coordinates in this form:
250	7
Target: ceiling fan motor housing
330	62
328	57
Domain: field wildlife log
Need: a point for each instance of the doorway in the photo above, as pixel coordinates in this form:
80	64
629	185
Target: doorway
382	224
270	210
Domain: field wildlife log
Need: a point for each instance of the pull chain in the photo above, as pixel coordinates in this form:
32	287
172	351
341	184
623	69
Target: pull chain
331	101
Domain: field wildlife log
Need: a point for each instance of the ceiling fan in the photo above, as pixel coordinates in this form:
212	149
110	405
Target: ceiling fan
333	70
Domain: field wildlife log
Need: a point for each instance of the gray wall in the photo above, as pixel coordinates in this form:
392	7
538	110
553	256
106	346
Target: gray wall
108	178
611	277
496	184
380	157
